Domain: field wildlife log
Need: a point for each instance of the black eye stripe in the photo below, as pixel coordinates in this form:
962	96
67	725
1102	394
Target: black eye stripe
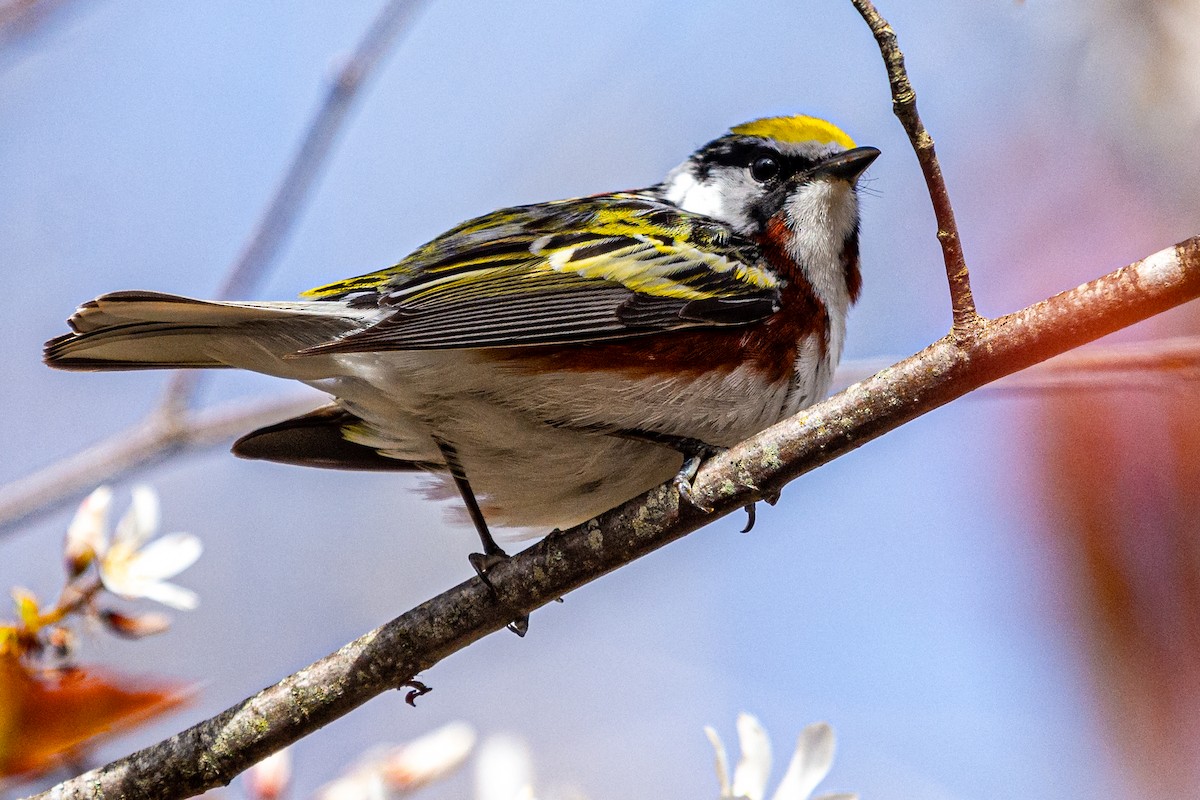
744	152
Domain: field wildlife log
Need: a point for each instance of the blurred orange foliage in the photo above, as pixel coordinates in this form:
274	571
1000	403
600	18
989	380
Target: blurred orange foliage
47	716
1123	471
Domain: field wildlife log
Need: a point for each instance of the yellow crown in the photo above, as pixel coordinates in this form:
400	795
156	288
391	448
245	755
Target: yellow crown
795	130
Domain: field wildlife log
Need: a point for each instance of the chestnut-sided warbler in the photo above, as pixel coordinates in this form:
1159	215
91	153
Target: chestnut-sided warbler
550	361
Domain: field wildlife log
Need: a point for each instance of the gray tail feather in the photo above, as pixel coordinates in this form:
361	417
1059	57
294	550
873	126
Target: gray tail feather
319	439
149	330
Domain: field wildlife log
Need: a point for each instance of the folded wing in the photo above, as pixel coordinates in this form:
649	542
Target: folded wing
627	265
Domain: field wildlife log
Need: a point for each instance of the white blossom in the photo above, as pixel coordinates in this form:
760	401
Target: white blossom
504	769
809	765
130	565
88	532
269	779
388	772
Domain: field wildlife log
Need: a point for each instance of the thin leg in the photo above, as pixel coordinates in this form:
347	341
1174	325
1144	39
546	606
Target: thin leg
492	553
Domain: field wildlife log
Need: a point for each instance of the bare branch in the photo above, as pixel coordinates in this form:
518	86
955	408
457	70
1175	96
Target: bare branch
294	190
155	438
904	103
212	752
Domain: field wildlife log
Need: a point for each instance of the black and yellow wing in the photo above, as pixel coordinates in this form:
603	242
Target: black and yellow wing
594	268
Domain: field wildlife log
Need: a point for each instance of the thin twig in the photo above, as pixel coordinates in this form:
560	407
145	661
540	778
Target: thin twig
148	442
213	752
294	190
904	103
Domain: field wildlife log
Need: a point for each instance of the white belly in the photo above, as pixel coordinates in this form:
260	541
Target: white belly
535	446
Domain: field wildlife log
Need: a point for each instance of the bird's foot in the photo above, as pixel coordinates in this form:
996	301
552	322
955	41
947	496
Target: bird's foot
694	451
483	564
695	454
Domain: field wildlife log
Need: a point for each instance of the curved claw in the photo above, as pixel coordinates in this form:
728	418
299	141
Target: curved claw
683	485
418	690
749	518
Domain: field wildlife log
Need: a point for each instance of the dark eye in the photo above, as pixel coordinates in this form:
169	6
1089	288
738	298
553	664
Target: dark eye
764	168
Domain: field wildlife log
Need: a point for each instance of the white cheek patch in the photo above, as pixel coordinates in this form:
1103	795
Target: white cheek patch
698	198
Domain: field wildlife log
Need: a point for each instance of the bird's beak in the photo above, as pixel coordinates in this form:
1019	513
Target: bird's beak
848	165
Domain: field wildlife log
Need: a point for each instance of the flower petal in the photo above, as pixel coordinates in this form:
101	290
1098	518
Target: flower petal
359	784
838	796
88	532
166	556
810	763
134	626
169	595
269	779
750	777
141	520
428	758
28	610
503	769
722	761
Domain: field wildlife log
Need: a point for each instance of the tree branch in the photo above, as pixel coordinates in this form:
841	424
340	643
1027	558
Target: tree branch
155	438
22	22
212	752
904	103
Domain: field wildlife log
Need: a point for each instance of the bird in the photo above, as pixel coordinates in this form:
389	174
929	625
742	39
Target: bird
547	362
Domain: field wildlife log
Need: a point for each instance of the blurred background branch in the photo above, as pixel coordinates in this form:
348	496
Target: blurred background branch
161	435
171	427
277	221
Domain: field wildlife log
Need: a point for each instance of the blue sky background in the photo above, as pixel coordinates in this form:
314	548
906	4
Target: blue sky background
907	593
